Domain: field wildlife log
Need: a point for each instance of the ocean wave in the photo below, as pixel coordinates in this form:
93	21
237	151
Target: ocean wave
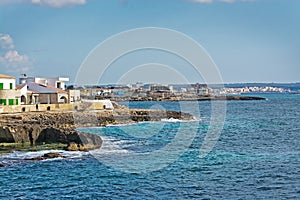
17	157
112	145
173	120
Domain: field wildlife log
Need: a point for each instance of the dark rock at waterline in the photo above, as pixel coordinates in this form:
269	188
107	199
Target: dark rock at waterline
53	155
35	158
51	135
2	165
37	134
138	115
247	98
89	139
45	157
6	135
230	98
84	141
81	141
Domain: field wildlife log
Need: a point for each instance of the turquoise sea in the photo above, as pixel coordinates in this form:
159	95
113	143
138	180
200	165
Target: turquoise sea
256	157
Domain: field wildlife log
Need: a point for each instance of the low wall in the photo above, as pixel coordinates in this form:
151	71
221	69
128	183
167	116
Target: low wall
51	107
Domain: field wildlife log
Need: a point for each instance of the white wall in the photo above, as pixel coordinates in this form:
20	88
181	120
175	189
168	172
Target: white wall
74	96
47	81
6	83
108	104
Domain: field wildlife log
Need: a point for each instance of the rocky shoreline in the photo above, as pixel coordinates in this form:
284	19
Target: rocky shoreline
189	98
38	128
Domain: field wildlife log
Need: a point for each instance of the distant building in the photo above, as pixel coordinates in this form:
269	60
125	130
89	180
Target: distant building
160	88
100	92
137	85
74	96
9	95
200	88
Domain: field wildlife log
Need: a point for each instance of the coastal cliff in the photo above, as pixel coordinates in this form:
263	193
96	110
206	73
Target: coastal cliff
60	127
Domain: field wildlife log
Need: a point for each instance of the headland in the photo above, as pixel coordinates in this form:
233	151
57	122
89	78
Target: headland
38	130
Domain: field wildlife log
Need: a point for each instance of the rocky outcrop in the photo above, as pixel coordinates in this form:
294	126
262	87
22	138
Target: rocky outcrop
191	97
38	135
6	135
45	157
52	135
60	127
242	98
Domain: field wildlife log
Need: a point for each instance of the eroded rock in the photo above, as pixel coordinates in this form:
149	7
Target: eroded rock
46	156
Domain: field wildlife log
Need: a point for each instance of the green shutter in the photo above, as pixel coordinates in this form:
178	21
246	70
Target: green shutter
17	101
1	86
3	101
11	102
11	86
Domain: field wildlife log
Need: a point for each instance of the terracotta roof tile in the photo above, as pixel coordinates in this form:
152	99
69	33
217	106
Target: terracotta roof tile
6	76
18	87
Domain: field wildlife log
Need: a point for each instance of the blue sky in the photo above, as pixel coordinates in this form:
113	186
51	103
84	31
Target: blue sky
250	41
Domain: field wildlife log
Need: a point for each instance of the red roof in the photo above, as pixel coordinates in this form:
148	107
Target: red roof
6	76
19	87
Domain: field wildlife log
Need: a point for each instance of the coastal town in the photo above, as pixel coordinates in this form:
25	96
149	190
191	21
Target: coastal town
173	92
53	94
38	112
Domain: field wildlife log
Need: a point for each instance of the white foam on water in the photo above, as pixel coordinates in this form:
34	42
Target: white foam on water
18	157
111	145
173	120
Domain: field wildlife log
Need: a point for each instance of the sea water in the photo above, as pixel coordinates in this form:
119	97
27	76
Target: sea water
256	157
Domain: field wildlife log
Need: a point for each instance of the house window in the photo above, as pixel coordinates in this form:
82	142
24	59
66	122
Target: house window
10	86
1	86
2	101
11	102
58	85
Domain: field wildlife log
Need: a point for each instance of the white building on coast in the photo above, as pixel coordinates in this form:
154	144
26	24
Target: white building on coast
58	82
9	95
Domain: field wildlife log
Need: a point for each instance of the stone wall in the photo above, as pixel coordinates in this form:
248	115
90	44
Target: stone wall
51	107
10	94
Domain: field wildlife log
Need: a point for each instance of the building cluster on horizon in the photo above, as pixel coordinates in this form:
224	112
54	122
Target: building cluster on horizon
157	92
140	91
254	89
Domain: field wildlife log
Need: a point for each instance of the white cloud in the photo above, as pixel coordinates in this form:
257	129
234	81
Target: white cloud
14	62
13	56
10	58
49	3
59	3
202	1
6	42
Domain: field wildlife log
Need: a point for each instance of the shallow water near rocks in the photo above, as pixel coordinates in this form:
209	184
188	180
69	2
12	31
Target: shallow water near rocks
257	157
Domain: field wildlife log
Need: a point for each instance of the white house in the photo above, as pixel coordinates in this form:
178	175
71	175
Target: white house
9	95
37	88
58	82
41	94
